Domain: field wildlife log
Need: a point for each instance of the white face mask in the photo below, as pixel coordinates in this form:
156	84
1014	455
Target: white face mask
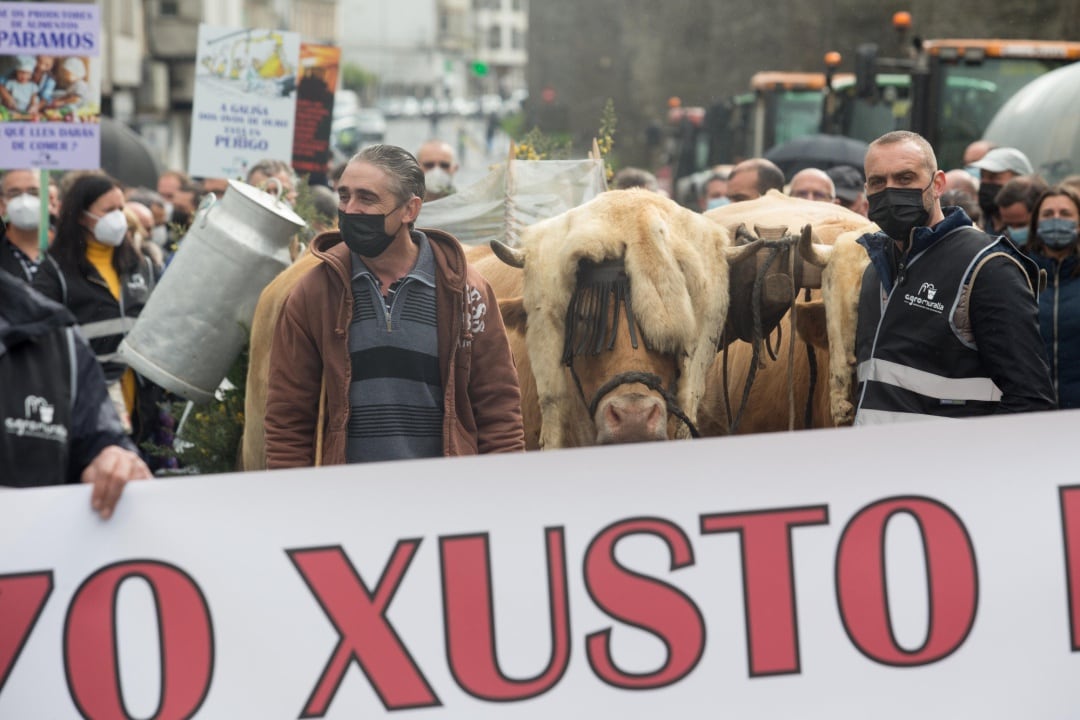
110	228
438	181
24	211
159	235
168	210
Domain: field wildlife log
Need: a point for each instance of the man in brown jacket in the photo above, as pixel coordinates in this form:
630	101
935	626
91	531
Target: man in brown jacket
392	346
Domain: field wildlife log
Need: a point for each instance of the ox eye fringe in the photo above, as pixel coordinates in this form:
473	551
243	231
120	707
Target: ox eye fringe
588	331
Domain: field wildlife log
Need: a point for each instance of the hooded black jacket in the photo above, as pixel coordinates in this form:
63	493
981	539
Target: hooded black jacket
55	413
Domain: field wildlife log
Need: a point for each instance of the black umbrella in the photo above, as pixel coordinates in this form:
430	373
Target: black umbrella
817	151
126	155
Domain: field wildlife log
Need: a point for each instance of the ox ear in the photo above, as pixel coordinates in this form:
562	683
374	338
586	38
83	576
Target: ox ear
737	254
513	314
810	324
509	255
811	250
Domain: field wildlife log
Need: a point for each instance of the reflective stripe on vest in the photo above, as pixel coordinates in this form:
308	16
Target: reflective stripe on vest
925	383
104	328
867	416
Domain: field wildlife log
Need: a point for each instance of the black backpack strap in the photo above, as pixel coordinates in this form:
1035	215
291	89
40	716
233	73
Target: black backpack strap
60	277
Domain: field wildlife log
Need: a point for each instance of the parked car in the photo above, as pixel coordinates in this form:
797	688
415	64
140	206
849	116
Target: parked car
491	104
516	102
464	108
410	106
371	125
344	138
392	107
346	103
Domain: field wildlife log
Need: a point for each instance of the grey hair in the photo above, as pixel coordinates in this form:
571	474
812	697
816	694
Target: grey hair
630	177
406	175
269	168
147	197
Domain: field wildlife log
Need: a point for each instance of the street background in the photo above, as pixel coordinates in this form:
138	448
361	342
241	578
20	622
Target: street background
465	135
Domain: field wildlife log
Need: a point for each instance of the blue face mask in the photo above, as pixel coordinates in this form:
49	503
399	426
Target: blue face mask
716	202
1019	235
974	172
1057	233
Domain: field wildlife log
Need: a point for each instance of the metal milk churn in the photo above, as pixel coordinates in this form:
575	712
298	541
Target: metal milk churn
198	318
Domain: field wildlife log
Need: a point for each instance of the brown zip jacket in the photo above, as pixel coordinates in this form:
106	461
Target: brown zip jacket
310	351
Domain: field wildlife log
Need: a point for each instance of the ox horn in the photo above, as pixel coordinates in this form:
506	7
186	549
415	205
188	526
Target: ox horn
811	250
738	253
511	256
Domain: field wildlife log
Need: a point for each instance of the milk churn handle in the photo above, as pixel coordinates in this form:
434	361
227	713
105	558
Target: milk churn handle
208	201
277	183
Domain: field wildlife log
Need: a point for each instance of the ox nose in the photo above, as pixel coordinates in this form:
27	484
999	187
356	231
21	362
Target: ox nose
629	418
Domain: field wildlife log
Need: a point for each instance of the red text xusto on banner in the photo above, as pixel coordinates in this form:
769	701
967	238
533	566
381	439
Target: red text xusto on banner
358	611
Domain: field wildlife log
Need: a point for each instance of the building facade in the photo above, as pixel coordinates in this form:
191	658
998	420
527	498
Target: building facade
500	31
439	49
427	49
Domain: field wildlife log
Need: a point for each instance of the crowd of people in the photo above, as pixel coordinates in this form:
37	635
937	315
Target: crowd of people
70	295
997	192
395	348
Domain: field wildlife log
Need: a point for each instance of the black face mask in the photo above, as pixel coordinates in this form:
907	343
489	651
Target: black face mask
987	193
898	210
365	235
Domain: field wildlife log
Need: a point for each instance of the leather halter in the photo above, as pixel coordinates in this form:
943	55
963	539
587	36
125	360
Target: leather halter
649	380
587	333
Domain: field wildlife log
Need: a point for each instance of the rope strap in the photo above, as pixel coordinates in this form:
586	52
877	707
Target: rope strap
774	248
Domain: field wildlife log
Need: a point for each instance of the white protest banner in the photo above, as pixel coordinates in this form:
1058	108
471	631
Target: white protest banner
926	570
50	86
245	99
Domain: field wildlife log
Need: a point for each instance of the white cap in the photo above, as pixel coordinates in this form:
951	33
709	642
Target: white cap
1005	158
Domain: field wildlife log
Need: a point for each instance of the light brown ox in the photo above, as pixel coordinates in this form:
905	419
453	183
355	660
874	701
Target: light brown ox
677	264
701	247
827	321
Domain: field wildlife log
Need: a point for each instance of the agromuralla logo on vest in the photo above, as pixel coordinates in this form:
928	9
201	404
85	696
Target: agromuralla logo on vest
924	299
37	421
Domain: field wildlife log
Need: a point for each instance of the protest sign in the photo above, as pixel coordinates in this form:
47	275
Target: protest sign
50	86
924	570
245	100
315	110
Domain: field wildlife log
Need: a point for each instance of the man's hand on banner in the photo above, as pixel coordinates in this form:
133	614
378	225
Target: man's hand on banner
108	472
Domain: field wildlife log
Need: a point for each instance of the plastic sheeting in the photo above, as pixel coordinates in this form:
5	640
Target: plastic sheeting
1043	121
512	196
